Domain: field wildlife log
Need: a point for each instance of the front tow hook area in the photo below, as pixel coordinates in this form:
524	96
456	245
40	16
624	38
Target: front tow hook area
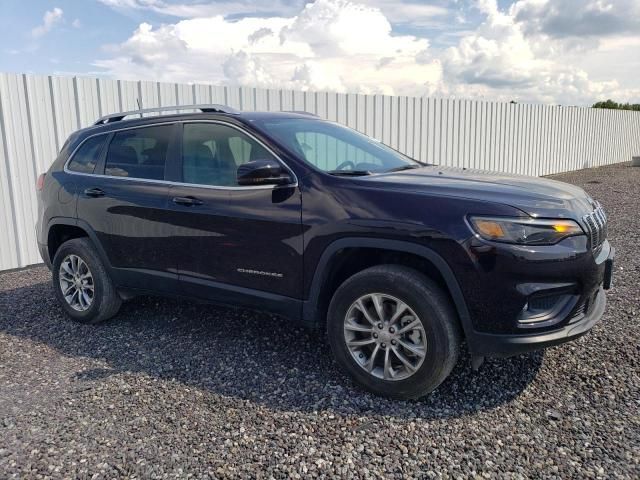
476	362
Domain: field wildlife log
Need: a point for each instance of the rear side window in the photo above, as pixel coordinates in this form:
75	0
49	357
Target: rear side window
87	156
139	153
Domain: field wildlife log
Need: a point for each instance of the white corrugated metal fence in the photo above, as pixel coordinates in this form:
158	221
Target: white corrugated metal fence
37	113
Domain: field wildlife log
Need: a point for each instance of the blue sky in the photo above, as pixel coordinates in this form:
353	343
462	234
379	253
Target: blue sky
74	49
64	47
551	51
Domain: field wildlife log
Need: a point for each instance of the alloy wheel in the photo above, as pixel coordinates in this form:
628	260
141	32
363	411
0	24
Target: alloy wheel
385	336
76	283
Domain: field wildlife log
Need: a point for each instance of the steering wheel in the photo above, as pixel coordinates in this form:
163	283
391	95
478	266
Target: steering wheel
345	164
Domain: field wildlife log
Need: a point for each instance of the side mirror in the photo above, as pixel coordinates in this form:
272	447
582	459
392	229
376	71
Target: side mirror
262	172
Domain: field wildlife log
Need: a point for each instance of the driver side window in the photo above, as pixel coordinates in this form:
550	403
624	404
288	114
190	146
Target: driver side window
212	153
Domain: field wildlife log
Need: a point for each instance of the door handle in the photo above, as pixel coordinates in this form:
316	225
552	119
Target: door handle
94	192
187	201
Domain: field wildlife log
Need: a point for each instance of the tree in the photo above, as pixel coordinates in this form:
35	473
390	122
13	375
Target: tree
617	106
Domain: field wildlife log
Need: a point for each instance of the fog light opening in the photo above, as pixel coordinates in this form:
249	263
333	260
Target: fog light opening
545	310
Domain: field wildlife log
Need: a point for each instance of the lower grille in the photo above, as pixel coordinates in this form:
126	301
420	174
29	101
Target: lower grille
583	308
547	310
579	312
596	223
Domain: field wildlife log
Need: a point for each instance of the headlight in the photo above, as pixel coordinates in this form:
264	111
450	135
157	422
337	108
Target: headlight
524	231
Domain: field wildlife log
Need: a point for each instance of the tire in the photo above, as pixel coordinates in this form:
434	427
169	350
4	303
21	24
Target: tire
436	334
104	300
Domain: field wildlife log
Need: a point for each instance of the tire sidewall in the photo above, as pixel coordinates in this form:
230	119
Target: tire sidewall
424	298
80	248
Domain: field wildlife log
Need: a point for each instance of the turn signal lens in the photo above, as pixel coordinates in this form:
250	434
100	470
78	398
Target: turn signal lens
524	231
562	228
489	228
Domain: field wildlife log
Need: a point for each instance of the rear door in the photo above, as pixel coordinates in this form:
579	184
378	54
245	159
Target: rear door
231	236
125	203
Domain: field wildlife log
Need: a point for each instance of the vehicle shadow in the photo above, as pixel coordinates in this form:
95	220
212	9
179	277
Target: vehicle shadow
242	354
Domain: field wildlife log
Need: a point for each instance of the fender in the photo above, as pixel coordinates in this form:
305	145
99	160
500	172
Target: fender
310	306
74	222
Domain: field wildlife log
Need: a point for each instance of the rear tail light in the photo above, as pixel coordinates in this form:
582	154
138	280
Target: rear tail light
40	182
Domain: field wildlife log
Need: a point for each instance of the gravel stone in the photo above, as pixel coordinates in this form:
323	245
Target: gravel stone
173	389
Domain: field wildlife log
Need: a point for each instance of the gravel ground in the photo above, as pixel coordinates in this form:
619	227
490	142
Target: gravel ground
170	389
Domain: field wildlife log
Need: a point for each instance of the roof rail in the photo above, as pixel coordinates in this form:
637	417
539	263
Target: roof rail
213	108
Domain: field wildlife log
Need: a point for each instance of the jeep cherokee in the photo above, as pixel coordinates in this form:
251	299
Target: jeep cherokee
397	261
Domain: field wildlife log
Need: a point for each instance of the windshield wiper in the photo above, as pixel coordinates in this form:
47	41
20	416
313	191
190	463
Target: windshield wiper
403	167
349	173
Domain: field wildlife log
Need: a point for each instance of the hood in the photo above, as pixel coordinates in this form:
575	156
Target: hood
538	197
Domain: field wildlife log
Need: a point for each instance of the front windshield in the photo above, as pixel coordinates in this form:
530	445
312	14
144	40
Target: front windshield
334	148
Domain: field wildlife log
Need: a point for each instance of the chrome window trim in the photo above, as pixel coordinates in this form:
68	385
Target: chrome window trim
184	184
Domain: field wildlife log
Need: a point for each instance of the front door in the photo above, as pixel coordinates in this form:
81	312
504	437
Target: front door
233	240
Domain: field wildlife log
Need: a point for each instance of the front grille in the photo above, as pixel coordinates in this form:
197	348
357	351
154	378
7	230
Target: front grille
596	223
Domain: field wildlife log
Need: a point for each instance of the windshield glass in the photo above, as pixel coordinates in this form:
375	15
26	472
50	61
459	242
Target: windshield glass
334	148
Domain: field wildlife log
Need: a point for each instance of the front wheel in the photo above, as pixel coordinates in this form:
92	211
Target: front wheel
81	283
393	331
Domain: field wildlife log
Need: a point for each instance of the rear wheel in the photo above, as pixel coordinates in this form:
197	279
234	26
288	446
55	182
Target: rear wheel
393	331
82	284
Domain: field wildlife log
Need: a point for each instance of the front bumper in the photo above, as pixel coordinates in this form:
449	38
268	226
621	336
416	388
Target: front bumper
486	344
501	345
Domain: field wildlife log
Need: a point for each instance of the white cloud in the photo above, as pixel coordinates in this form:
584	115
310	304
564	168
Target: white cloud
408	11
522	53
50	19
495	55
76	23
416	14
511	56
578	18
203	9
331	44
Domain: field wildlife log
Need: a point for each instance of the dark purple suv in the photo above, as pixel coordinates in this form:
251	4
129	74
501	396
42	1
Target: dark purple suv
396	260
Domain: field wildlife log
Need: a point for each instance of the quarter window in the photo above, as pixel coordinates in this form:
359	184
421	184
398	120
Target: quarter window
212	153
139	152
87	156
